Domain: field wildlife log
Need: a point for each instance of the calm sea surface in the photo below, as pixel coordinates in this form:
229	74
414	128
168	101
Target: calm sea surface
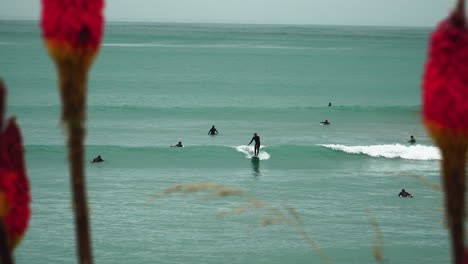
153	85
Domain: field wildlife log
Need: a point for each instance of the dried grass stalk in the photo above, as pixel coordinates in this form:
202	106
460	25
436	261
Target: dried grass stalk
284	215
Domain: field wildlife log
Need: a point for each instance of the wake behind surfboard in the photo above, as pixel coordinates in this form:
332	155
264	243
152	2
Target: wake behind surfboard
249	152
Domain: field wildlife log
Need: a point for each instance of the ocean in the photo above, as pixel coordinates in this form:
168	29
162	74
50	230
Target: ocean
155	84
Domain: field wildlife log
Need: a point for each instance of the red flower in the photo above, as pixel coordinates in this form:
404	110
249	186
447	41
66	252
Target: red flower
72	30
445	82
14	185
73	24
445	113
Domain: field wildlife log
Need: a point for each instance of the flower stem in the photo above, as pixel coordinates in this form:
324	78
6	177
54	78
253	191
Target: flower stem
5	253
460	6
75	142
73	78
453	180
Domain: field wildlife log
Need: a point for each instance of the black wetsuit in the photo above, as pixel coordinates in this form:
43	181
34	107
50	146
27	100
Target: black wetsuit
257	141
257	145
98	159
404	194
213	131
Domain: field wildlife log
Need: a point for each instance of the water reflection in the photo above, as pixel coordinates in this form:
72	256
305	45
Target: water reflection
255	166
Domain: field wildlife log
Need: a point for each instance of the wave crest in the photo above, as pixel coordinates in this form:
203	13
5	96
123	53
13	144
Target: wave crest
416	152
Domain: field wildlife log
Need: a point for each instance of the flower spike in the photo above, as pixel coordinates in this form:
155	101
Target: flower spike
445	114
15	196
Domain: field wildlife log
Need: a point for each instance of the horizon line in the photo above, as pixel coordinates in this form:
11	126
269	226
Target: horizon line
236	23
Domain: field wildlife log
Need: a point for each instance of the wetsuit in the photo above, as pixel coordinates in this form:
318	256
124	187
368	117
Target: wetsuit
98	159
257	144
404	194
213	131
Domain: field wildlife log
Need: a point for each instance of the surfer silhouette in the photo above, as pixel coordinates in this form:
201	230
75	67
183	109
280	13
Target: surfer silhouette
326	123
97	159
412	140
178	145
255	138
405	194
213	131
329	104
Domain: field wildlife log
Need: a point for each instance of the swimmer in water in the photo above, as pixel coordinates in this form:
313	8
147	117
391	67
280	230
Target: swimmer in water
326	123
255	138
178	145
412	140
97	159
213	131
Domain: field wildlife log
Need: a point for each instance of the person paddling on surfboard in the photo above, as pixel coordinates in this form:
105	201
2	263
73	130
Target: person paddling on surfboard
326	123
178	145
255	138
405	194
97	159
213	131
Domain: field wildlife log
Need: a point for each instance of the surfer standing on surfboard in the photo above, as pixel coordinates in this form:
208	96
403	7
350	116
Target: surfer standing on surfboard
255	138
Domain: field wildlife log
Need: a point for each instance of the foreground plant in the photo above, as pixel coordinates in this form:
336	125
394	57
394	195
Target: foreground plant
14	185
72	31
283	215
445	114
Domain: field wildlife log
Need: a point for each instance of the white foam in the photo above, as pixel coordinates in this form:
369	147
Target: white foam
415	152
249	152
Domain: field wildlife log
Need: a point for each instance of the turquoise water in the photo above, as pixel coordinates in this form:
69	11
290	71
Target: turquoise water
153	85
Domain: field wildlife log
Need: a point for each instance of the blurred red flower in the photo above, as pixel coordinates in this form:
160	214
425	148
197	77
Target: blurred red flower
445	82
76	24
14	184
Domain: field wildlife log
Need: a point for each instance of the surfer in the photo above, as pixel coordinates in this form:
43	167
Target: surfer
255	138
213	131
329	104
405	194
326	123
412	140
178	145
97	159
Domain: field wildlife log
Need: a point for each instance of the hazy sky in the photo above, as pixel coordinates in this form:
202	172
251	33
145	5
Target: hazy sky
334	12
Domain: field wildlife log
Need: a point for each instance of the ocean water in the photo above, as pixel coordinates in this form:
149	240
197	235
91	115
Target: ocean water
153	85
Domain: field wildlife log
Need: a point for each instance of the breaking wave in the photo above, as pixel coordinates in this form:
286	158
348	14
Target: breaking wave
416	152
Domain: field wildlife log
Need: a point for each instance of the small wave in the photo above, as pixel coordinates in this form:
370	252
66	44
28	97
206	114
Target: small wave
133	45
11	44
227	45
249	152
416	152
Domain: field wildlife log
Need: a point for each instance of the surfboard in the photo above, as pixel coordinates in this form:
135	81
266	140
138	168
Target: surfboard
255	158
